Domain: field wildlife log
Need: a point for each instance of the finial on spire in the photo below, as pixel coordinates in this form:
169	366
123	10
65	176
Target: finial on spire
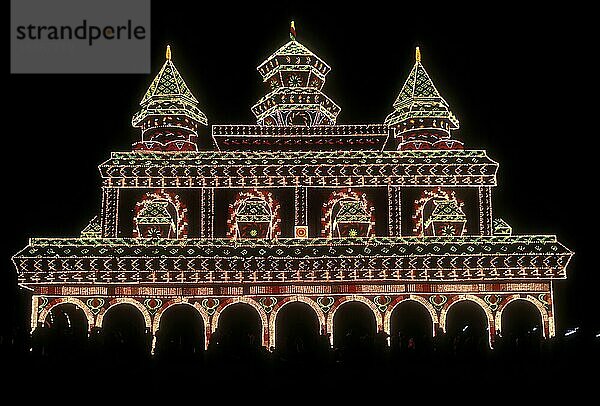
417	54
168	52
293	31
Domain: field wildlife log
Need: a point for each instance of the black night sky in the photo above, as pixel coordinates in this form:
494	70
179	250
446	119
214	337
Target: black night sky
518	80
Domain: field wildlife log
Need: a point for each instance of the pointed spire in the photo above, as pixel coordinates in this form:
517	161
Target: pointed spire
419	107
293	31
420	96
169	85
168	82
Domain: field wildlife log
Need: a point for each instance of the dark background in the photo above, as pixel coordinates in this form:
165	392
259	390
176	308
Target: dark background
518	79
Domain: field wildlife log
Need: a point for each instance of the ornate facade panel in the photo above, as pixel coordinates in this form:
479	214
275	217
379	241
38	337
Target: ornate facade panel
241	169
110	214
207	207
394	211
485	210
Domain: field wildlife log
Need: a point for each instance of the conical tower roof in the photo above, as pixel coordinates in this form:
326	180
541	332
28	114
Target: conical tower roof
168	83
419	98
169	95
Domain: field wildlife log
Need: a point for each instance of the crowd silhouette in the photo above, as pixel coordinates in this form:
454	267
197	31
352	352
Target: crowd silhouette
231	347
463	352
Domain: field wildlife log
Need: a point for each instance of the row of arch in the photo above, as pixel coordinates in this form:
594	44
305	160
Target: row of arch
268	320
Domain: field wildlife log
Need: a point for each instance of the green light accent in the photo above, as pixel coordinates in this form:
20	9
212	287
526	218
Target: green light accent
93	230
254	211
447	210
501	227
351	211
155	213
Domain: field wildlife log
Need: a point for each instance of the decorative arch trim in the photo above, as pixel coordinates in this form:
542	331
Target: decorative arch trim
248	301
125	300
274	229
68	300
181	220
352	298
183	302
387	320
548	328
327	215
427	197
294	299
472	298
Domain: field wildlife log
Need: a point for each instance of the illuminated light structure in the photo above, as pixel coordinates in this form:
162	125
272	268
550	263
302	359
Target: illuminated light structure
295	208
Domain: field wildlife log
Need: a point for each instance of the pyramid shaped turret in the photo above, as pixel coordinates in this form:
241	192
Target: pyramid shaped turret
169	114
420	113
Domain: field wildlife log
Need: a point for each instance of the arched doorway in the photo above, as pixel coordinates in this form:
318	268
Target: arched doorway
125	334
354	328
180	335
297	331
522	328
411	328
467	328
238	334
64	333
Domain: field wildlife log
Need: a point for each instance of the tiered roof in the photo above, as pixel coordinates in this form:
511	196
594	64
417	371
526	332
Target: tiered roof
295	76
304	59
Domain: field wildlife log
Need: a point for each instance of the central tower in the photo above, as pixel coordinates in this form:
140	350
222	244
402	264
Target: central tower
294	77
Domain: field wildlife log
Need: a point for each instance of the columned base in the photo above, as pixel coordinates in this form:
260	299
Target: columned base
324	300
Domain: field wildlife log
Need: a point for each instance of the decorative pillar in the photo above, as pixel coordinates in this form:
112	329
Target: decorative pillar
492	332
551	321
207	333
153	349
436	327
110	212
394	211
34	312
207	212
300	212
485	210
